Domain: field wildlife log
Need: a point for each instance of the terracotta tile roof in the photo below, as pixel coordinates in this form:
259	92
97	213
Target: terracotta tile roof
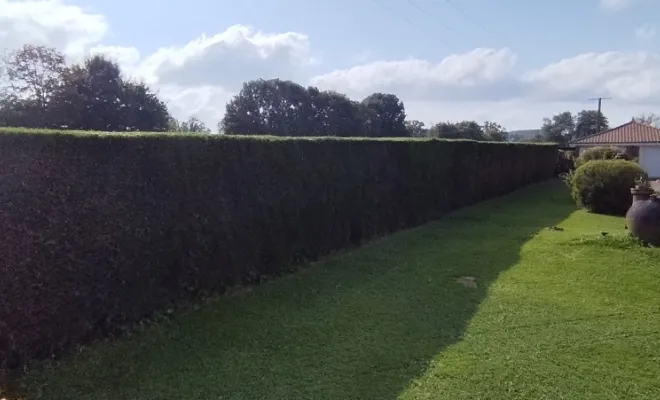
631	132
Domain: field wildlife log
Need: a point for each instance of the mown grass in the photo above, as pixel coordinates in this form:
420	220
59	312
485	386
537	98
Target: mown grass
567	313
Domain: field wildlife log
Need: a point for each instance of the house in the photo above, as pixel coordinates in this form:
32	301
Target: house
637	139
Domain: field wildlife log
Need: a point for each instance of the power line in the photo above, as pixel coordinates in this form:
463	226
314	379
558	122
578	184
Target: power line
381	5
466	15
423	11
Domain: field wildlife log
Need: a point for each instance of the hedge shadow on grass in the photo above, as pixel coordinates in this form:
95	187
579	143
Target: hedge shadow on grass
361	324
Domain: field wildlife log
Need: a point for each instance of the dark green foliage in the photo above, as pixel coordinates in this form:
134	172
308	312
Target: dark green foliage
102	230
495	132
459	130
334	114
94	96
565	162
18	112
284	108
590	122
275	106
416	128
600	153
564	127
43	92
490	131
192	125
558	129
603	186
384	116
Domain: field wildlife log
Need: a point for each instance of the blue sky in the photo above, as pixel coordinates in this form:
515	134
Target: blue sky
344	31
516	60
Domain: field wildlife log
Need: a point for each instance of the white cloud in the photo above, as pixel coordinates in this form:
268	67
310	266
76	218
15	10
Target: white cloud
127	57
421	78
632	76
51	23
488	75
199	77
205	102
229	58
645	33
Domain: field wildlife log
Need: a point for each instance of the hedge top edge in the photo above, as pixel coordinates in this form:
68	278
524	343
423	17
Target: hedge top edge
11	131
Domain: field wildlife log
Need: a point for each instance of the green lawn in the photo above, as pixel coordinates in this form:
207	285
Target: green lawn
556	314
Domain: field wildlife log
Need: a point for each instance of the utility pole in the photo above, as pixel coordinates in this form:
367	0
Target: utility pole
600	114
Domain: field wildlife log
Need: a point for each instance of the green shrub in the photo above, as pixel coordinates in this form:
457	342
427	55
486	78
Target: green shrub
601	153
102	230
603	186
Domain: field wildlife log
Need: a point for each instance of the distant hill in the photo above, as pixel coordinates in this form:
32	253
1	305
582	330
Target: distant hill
523	134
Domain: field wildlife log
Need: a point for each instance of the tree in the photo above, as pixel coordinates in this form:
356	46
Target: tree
14	112
44	92
446	130
458	130
192	125
33	73
558	129
334	114
141	109
384	115
416	128
94	96
650	119
284	108
590	122
495	132
173	124
102	86
470	130
269	107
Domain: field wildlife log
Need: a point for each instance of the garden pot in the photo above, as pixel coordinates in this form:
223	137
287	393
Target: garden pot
641	194
643	217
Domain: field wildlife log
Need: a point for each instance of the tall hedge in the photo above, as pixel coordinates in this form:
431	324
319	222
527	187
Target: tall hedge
100	231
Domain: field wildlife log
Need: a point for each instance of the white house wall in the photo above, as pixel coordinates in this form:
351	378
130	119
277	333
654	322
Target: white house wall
649	159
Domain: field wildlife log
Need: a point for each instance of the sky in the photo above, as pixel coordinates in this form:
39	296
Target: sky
509	61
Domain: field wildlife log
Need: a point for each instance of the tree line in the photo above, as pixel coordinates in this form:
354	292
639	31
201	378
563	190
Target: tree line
42	91
284	108
39	90
563	127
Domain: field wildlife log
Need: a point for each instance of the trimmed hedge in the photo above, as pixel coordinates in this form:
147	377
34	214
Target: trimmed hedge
603	186
102	230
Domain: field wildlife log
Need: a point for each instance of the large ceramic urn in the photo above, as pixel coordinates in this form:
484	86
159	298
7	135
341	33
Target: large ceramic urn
643	217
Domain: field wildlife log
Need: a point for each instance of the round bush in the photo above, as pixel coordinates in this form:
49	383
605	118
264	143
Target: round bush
601	153
603	186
